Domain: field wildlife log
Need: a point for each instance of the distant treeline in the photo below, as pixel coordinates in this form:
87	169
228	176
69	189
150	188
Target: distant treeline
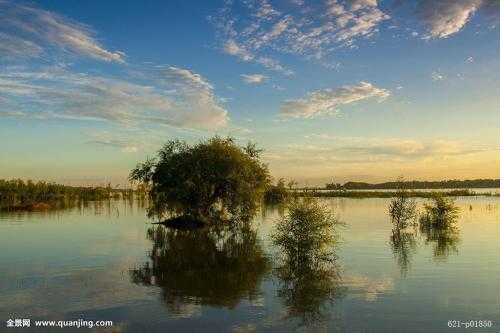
383	194
18	194
414	184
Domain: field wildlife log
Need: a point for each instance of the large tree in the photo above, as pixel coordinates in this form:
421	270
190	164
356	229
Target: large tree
216	177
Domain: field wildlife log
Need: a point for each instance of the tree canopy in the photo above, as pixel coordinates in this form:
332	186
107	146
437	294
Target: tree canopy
213	178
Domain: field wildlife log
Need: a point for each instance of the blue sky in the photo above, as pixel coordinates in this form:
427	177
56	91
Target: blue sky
344	90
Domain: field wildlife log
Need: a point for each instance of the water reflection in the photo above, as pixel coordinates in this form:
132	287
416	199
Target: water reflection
307	270
216	266
69	265
443	240
308	288
404	245
439	226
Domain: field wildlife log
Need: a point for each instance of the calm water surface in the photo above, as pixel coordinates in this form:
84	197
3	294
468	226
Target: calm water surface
105	261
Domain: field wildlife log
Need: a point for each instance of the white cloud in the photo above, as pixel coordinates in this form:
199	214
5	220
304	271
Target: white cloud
145	95
361	20
187	77
360	4
437	76
232	48
14	48
253	78
196	102
170	96
35	30
446	17
265	11
313	33
329	100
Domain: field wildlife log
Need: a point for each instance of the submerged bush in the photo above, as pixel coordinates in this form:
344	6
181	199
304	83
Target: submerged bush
438	225
307	231
440	214
307	271
212	178
402	209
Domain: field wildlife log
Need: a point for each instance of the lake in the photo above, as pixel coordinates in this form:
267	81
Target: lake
105	261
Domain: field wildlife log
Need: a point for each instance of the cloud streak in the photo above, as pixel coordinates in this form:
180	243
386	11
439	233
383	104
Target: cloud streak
367	150
31	31
369	158
126	142
168	96
328	101
253	78
437	76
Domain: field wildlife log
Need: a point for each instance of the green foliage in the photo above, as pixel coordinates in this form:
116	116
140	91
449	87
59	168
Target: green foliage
307	231
440	214
308	274
402	208
217	266
17	194
211	178
438	225
277	194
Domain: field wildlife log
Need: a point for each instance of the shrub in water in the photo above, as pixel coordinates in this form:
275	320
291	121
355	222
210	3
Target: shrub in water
402	209
440	214
213	178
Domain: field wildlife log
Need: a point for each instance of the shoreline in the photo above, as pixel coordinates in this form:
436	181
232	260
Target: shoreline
358	194
353	194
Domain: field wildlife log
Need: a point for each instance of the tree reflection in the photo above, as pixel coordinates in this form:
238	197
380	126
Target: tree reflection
444	240
439	226
308	274
403	244
218	266
308	287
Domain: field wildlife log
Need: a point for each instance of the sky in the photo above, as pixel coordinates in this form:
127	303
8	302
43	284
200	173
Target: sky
332	90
